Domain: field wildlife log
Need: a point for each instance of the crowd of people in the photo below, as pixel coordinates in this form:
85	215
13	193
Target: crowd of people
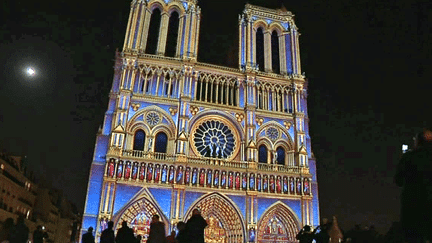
327	232
19	232
191	232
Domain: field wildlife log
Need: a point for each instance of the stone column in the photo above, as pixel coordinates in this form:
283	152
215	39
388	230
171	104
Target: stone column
267	51
163	32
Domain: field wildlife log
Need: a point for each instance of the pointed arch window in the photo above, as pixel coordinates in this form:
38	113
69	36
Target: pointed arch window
173	26
153	32
139	139
275	52
280	156
161	142
262	154
260	48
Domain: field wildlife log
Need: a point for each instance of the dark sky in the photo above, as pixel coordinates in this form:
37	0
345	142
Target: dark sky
368	63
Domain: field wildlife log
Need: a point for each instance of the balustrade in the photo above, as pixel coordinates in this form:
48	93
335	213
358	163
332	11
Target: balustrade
162	168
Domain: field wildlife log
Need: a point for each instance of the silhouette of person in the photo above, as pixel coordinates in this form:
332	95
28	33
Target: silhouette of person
305	235
195	227
107	235
39	235
20	233
321	232
138	239
88	237
182	234
414	175
6	230
171	238
125	234
157	231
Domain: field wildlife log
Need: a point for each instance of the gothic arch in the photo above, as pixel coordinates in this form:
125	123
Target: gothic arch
137	125
164	115
276	26
138	212
260	23
156	4
282	143
280	127
266	142
222	208
278	221
174	6
163	128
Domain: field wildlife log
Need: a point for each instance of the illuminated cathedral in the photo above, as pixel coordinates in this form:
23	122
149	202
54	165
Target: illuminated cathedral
179	134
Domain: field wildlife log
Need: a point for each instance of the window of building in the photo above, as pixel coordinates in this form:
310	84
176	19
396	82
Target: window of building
280	156
173	26
262	154
153	32
275	52
139	139
260	48
161	142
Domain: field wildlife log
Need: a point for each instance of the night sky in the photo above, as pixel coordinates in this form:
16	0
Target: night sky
368	64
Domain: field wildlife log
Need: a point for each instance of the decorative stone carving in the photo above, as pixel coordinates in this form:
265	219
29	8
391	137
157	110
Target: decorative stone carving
173	110
135	106
153	118
194	110
272	133
287	124
239	117
259	120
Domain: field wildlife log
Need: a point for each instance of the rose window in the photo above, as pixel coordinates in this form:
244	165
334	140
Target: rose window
272	133
152	118
214	139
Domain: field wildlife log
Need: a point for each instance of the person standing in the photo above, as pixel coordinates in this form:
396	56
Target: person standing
195	227
39	235
321	232
171	238
414	175
182	234
125	234
20	233
157	231
88	237
6	230
305	235
107	235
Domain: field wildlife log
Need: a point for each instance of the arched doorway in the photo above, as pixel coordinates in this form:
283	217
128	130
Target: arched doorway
278	224
225	222
138	216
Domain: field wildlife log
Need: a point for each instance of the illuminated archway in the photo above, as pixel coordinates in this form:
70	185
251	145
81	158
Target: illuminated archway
138	216
278	224
228	216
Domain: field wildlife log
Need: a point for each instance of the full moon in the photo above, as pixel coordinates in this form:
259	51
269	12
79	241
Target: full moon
31	71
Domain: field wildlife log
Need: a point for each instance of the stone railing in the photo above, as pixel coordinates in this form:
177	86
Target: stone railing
158	168
194	160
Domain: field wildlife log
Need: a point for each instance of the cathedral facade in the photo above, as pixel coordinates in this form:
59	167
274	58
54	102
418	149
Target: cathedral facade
179	134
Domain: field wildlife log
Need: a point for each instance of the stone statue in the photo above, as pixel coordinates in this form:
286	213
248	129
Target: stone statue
213	232
275	157
150	145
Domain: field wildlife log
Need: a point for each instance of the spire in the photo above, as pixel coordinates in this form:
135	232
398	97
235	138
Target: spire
334	232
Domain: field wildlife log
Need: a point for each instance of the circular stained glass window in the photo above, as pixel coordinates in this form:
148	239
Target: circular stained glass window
272	133
152	118
214	139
